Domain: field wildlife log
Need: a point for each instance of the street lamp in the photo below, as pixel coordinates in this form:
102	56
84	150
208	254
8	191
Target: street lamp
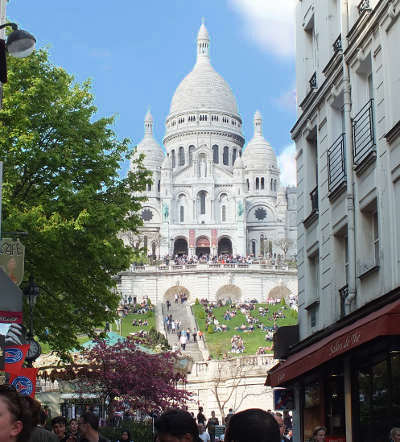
31	291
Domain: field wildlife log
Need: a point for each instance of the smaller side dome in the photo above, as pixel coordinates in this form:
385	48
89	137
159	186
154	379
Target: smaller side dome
152	151
238	163
259	154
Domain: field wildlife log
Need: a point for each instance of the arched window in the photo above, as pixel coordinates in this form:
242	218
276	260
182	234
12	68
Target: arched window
234	153
145	244
225	157
153	249
262	183
257	183
159	186
191	150
202	200
173	160
215	149
275	183
253	247
149	187
181	214
248	184
223	213
181	156
272	184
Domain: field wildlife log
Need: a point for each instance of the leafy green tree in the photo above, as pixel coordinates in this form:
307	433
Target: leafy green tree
62	187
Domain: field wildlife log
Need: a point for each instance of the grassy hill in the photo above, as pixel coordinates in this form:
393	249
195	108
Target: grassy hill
219	342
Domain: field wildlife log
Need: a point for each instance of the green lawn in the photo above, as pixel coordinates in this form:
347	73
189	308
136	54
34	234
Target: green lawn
220	342
127	328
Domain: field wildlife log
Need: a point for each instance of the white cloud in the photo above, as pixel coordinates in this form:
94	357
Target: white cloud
287	101
287	164
269	23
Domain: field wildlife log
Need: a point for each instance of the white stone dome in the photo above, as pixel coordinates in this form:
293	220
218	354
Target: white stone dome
203	88
259	154
152	151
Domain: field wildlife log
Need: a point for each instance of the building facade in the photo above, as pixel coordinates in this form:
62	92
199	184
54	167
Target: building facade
345	368
206	197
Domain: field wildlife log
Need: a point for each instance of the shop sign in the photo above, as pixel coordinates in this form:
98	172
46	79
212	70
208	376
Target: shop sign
344	343
12	255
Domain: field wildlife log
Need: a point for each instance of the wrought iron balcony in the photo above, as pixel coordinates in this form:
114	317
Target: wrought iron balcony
343	292
313	81
337	45
363	6
336	167
364	144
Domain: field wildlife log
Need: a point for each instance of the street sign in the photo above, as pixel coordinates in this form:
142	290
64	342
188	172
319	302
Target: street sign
12	253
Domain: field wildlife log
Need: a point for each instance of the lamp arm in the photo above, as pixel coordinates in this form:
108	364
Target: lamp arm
13	25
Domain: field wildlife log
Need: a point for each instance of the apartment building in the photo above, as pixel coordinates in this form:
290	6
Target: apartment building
344	368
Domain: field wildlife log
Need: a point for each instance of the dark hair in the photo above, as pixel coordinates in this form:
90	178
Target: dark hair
177	423
126	431
43	417
58	420
317	429
20	408
73	420
254	424
35	410
91	419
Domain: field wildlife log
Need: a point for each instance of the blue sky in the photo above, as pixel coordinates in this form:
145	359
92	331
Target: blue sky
136	53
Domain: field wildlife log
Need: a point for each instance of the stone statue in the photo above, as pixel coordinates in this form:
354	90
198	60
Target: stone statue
165	211
240	209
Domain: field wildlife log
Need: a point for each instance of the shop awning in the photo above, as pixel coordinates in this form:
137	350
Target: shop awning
382	322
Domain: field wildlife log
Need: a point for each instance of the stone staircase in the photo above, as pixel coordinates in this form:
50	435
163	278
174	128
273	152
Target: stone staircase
184	314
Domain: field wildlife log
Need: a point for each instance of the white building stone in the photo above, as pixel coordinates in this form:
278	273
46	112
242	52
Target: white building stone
206	197
348	170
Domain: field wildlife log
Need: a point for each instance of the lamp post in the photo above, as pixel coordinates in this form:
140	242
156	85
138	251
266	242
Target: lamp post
31	291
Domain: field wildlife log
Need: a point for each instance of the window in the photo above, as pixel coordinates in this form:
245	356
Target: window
149	187
375	237
248	184
173	160
225	157
182	214
145	241
191	150
262	248
202	200
272	185
215	149
253	247
368	240
257	183
313	289
181	156
223	214
159	185
313	315
262	183
234	154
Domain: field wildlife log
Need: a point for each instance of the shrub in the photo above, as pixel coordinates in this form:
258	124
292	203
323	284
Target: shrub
197	302
202	314
210	329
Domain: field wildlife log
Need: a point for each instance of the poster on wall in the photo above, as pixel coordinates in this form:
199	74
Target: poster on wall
283	399
312	395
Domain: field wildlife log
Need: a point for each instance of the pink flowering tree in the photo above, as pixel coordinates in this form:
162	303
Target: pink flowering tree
125	378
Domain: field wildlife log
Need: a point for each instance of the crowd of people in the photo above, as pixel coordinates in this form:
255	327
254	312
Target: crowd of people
237	344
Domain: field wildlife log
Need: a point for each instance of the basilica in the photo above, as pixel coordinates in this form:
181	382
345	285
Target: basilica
211	193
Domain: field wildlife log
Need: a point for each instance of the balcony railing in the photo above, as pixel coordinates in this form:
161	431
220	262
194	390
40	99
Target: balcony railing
343	292
337	46
363	6
314	208
313	81
364	145
336	166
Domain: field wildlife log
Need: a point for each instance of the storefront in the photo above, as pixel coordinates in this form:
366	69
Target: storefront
348	381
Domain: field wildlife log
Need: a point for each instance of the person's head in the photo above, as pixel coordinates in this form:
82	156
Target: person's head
125	435
59	425
201	409
201	428
35	410
395	434
319	434
88	423
15	416
213	414
254	424
279	420
176	426
73	426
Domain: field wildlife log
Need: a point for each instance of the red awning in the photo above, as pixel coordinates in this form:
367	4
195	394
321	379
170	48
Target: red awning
383	322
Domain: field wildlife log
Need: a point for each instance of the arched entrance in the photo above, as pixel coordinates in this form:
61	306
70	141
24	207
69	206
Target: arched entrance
176	289
279	292
202	246
229	291
180	247
224	246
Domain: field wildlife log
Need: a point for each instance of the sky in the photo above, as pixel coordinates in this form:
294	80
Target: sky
136	53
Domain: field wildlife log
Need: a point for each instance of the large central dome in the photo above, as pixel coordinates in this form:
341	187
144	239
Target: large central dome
203	88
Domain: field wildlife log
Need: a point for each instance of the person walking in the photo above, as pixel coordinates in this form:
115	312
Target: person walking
201	419
183	341
212	422
173	326
194	334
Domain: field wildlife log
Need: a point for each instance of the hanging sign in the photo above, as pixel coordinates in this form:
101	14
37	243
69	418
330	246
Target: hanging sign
12	255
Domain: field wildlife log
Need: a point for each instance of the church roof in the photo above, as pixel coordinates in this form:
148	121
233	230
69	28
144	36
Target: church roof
203	88
154	155
259	153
